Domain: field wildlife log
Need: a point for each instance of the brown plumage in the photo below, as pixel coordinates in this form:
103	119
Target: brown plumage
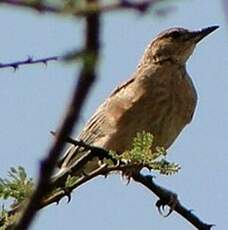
160	98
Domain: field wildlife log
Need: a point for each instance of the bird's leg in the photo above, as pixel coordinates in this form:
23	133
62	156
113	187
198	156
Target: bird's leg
171	201
129	172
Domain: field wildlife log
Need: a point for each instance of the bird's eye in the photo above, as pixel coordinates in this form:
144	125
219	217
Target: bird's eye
175	34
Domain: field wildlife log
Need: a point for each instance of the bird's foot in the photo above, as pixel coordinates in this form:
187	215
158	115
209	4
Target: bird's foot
171	203
130	171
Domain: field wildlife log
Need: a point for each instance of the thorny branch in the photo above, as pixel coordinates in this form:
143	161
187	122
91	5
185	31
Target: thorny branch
69	56
28	61
90	8
86	80
164	195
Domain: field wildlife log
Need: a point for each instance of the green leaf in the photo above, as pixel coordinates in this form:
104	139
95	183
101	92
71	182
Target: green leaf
143	153
18	186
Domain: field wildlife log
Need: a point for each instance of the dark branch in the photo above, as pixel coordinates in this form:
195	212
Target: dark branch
90	8
165	195
86	80
35	5
70	56
28	61
59	187
58	195
96	151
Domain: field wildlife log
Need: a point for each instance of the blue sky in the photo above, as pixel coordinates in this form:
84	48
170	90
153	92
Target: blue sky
33	100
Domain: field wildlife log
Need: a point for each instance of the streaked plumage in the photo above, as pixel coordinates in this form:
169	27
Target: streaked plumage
159	98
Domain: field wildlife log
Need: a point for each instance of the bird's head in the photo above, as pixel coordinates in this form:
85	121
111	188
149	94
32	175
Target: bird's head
176	44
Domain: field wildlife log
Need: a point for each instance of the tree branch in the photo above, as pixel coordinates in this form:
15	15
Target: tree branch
86	80
165	196
60	189
28	61
90	8
69	56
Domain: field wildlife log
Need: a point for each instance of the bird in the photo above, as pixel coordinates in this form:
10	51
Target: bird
159	98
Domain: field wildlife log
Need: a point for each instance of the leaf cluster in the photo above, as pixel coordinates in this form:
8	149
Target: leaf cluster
143	153
18	186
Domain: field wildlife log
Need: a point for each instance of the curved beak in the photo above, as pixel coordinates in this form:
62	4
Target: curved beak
199	35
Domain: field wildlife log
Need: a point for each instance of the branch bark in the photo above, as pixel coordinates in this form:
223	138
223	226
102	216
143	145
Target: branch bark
83	85
28	61
90	8
164	195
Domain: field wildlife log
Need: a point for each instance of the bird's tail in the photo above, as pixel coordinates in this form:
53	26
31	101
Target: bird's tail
76	162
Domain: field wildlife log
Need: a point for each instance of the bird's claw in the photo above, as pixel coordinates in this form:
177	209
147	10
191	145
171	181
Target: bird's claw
67	193
68	198
171	203
129	172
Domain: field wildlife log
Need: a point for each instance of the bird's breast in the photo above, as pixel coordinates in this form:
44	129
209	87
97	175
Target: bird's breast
161	104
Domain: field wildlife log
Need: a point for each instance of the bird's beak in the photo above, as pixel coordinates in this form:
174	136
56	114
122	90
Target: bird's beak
199	35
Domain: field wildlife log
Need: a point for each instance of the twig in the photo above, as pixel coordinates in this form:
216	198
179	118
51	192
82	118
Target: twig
62	191
165	195
96	151
90	8
70	56
28	61
86	80
35	5
58	195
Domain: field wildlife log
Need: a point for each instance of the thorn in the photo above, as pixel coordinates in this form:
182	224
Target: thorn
68	198
57	202
126	177
105	175
125	3
211	225
53	133
191	210
67	194
45	62
29	59
128	180
15	67
143	7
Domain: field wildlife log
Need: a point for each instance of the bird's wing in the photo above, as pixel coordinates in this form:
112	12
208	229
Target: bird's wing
93	130
122	86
